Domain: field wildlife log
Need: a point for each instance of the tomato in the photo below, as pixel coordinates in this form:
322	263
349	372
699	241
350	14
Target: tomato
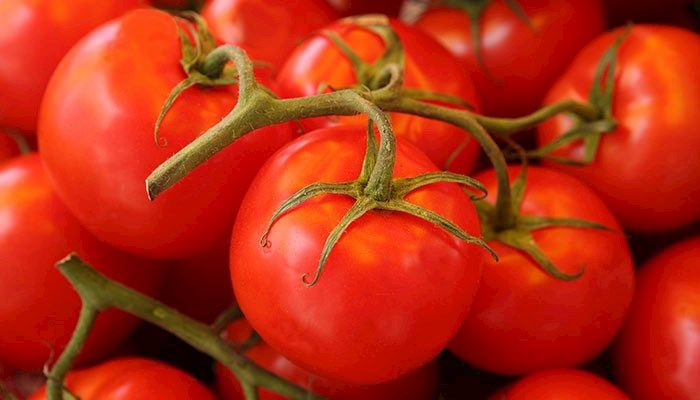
523	319
418	385
677	12
429	67
132	379
248	23
39	308
656	355
558	384
647	170
394	289
8	146
36	34
519	62
96	136
357	7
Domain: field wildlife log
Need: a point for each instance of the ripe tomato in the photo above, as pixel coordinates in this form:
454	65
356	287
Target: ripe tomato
558	384
523	319
8	146
394	289
39	308
420	384
520	61
96	137
358	7
428	66
652	103
36	34
132	379
270	28
656	355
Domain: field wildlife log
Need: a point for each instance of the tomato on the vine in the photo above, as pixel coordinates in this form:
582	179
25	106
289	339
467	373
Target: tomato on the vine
656	355
558	384
647	169
132	379
36	34
420	384
96	135
395	288
519	57
318	62
39	308
523	319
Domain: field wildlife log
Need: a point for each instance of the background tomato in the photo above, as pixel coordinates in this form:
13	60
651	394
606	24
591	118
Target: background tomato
523	319
646	170
36	34
39	308
656	355
96	137
429	67
521	61
394	289
248	23
558	384
8	146
132	379
417	385
357	7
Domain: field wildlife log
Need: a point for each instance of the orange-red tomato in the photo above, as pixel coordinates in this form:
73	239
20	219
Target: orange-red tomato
561	384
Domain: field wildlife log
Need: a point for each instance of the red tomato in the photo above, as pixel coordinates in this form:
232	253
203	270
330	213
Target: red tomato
132	379
394	289
103	102
647	170
657	355
428	66
523	319
559	384
521	61
8	146
36	34
270	28
417	385
357	7
39	308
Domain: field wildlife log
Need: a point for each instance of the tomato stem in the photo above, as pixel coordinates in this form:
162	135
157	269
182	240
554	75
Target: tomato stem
505	126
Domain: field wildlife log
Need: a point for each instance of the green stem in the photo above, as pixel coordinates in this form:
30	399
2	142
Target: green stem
505	126
229	315
98	293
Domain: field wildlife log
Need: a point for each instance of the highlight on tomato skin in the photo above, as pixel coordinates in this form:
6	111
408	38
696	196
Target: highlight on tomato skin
421	384
558	384
132	378
40	309
656	354
36	35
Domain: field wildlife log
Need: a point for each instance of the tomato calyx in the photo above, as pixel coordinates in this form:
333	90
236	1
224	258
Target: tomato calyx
590	132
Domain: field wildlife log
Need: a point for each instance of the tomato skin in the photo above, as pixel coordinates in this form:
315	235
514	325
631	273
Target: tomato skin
656	355
557	384
359	7
394	289
652	103
524	320
132	378
96	136
523	63
417	385
36	35
428	66
248	22
39	308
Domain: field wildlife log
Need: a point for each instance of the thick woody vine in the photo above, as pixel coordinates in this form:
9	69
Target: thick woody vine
380	90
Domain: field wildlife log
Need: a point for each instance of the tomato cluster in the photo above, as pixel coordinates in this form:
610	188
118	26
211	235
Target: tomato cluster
294	174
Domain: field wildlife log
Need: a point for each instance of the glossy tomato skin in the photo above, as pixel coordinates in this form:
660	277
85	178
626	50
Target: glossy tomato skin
132	378
394	289
656	355
428	66
558	384
270	28
359	7
39	308
36	34
524	320
96	136
523	62
647	170
420	384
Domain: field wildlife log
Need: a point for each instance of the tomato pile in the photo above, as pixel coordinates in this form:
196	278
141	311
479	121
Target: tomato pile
309	199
